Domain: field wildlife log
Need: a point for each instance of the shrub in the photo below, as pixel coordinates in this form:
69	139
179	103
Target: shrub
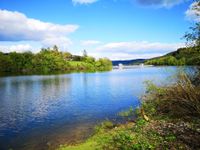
121	140
180	100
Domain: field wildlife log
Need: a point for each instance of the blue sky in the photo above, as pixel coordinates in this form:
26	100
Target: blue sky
117	29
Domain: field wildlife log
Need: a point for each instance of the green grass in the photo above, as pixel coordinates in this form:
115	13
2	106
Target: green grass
88	145
139	135
174	122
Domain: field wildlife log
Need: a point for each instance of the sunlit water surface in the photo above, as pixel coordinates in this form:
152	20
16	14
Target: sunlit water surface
41	112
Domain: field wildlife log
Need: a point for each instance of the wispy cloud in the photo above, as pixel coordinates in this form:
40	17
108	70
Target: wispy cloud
139	47
16	26
193	14
84	1
90	42
123	56
160	3
134	49
16	48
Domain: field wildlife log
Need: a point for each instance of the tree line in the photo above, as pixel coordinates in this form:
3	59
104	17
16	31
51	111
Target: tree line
183	56
50	60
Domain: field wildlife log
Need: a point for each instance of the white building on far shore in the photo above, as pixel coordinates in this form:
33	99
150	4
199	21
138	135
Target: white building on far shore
121	66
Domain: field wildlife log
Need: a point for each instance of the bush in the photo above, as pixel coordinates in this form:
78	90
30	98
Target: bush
180	100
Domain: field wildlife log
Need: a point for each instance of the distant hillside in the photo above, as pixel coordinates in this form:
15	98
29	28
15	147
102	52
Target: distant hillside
183	56
128	62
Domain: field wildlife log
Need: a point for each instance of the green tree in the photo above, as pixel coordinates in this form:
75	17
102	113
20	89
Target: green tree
89	59
193	37
55	48
67	56
49	60
6	64
84	53
103	64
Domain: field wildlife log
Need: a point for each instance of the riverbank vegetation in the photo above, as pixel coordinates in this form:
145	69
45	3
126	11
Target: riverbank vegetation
169	115
50	60
169	118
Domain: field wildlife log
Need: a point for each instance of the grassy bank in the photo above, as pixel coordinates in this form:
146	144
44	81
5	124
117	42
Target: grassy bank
169	118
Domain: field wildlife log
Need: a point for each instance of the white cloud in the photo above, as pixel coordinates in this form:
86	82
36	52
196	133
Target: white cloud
17	48
134	50
62	42
139	47
16	26
160	3
90	42
193	14
123	56
84	1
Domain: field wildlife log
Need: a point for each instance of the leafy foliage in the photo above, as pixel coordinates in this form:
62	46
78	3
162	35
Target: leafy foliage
49	61
183	56
180	100
193	37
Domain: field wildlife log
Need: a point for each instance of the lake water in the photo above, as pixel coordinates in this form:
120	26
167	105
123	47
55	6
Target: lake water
41	112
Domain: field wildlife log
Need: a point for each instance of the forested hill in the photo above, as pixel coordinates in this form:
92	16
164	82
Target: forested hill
183	56
50	60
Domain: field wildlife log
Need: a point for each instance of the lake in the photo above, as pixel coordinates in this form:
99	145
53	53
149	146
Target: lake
41	112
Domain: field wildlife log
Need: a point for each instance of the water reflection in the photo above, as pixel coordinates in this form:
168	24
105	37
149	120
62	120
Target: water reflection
27	100
36	110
